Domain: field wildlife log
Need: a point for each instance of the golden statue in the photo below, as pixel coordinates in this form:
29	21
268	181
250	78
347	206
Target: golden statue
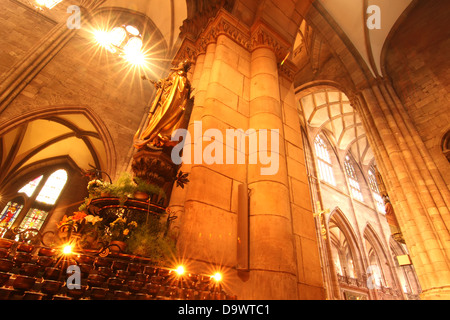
167	110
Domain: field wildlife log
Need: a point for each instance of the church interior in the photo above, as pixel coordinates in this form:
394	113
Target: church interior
102	101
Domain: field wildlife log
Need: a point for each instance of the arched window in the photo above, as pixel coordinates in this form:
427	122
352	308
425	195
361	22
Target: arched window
40	195
352	179
375	190
324	161
9	214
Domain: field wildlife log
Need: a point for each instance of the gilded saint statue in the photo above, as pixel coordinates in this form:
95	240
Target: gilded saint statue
167	110
389	209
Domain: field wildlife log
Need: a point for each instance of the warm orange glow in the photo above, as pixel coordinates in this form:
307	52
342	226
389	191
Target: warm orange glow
133	30
48	3
217	276
180	270
132	51
67	249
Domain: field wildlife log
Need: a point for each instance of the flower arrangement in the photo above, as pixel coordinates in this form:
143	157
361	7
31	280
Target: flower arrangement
120	229
123	188
84	225
97	229
95	186
74	222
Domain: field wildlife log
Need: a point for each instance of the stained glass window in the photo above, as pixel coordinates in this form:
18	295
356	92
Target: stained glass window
52	187
352	179
9	215
375	191
46	198
324	161
34	219
29	188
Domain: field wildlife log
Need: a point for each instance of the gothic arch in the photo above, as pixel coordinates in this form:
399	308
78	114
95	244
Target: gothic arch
380	253
406	273
339	226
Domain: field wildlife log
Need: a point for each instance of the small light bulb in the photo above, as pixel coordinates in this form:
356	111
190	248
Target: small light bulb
217	276
67	249
133	30
180	270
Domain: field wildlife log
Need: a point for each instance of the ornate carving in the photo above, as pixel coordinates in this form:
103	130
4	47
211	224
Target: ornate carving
288	70
262	36
154	166
225	24
203	12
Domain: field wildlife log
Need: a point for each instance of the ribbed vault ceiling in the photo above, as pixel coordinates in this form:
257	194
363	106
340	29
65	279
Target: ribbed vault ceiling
329	109
70	136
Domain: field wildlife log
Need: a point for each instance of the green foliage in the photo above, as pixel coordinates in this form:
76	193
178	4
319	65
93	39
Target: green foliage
148	188
124	187
149	240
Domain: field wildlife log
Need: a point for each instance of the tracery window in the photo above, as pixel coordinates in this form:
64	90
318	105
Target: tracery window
9	214
53	187
40	195
324	161
352	179
375	190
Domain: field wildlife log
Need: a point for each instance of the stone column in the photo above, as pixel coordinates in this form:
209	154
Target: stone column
272	254
24	71
239	88
200	79
208	232
418	193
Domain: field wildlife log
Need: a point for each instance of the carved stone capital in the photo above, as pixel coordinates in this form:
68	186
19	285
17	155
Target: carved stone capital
288	70
260	35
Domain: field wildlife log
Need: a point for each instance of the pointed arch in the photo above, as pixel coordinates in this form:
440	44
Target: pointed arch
379	256
339	228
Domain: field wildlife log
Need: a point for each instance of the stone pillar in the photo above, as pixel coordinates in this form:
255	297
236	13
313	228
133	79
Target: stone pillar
239	87
272	255
200	79
418	193
207	237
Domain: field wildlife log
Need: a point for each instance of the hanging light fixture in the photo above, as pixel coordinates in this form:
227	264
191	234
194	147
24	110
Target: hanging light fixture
125	40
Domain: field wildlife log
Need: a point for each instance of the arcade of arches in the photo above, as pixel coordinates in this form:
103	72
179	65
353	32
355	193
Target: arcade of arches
359	206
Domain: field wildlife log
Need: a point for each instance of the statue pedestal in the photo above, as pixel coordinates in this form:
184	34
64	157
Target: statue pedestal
155	167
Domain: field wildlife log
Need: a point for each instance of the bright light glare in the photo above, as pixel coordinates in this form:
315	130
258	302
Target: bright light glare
67	249
217	276
103	38
132	51
113	41
133	30
180	270
48	3
117	36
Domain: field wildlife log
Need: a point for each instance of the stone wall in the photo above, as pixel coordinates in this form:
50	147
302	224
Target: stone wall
417	63
79	75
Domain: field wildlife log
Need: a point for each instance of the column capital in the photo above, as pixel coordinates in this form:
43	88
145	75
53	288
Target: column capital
222	24
263	36
260	35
